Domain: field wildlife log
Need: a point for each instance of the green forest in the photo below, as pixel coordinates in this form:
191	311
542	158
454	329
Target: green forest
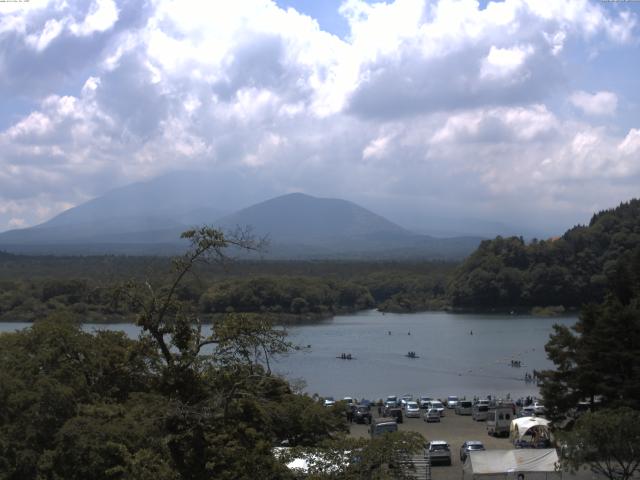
568	271
501	275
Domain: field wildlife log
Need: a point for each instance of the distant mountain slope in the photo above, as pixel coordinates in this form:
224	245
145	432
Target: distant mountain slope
153	211
301	218
148	218
570	271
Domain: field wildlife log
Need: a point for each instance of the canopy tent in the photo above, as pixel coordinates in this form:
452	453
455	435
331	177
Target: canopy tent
528	464
536	428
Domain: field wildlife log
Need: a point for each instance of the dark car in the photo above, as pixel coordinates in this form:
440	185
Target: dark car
395	413
362	414
470	446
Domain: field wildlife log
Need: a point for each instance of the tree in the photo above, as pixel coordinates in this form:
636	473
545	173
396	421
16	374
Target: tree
608	441
383	457
598	359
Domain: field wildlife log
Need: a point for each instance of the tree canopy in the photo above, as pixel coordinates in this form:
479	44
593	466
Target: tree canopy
571	270
176	403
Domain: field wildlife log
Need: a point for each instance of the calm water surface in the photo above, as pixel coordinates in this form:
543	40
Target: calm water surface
452	360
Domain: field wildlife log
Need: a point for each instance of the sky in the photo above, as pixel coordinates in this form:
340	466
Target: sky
519	111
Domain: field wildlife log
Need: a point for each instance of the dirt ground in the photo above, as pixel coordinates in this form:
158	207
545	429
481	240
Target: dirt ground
455	430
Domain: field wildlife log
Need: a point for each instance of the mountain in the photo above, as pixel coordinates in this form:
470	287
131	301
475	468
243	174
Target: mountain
301	218
148	217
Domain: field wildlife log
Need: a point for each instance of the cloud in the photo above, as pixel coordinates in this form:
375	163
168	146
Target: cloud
502	62
422	104
599	103
631	143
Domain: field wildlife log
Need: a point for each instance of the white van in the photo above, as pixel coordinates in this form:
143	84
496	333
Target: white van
499	420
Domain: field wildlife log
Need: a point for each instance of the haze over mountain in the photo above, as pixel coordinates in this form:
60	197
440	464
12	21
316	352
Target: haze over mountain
149	217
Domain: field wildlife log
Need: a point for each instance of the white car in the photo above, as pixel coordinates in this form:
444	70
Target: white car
439	452
392	399
538	408
423	400
404	399
412	409
452	401
348	400
437	405
329	402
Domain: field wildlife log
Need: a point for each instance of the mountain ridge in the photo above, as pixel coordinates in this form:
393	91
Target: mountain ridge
299	226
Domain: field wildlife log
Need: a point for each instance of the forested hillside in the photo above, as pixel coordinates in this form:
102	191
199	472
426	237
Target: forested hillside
87	287
568	271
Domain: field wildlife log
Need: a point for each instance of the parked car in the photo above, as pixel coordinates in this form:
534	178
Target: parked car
329	402
404	399
348	400
470	446
411	409
480	410
439	452
423	401
438	406
432	415
395	413
362	414
380	426
452	401
464	407
538	408
392	399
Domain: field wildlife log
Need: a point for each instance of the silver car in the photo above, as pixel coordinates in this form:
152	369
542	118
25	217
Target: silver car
432	415
470	446
411	409
438	406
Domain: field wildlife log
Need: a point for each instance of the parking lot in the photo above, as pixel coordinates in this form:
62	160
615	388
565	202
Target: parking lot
455	429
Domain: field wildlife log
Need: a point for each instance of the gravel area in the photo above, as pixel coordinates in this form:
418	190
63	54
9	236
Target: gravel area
455	430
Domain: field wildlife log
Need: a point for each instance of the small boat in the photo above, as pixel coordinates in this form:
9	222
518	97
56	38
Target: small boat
411	355
346	356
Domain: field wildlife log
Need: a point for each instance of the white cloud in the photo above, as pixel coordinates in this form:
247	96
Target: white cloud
441	97
599	103
376	148
502	62
631	143
52	29
102	15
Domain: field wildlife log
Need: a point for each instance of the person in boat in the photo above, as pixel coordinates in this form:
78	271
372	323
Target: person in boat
348	356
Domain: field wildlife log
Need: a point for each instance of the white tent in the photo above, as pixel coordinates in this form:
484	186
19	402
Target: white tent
528	426
525	464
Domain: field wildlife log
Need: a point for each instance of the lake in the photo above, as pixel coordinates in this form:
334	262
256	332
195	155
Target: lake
459	354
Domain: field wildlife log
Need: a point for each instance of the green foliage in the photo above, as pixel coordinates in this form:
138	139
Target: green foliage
47	373
297	295
101	406
287	291
384	457
569	271
600	356
608	441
